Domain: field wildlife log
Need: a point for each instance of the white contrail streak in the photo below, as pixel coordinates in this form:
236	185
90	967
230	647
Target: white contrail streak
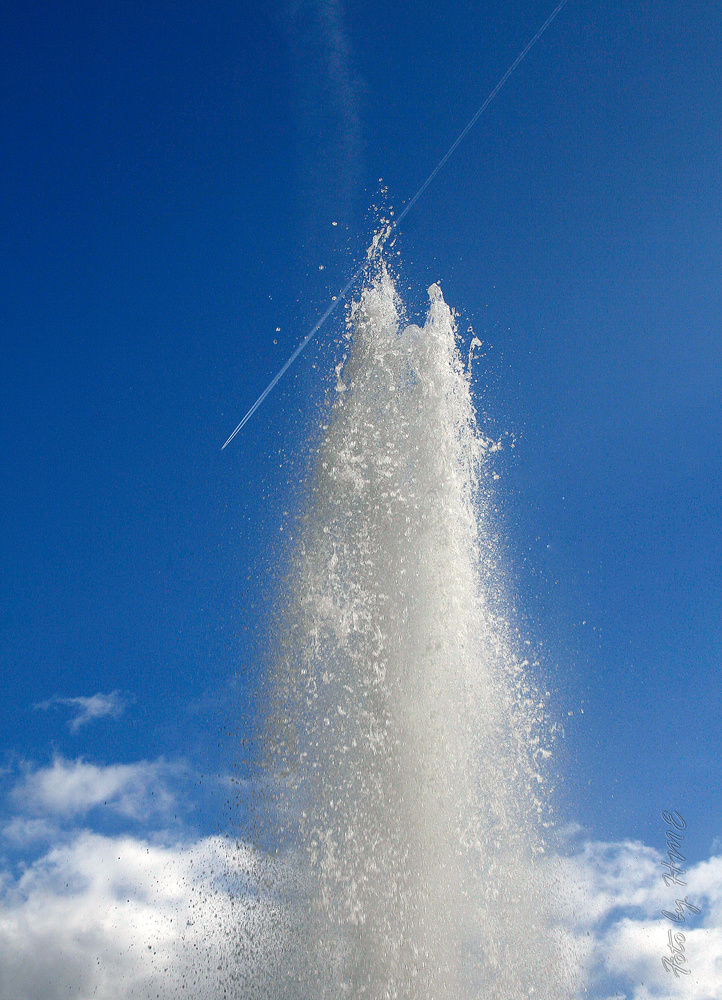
450	151
279	374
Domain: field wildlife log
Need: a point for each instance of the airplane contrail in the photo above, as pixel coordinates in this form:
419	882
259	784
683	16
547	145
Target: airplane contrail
395	224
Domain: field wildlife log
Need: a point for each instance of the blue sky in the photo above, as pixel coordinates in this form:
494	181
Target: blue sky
170	177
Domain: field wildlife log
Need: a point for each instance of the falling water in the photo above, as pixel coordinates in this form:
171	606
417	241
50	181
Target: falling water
406	742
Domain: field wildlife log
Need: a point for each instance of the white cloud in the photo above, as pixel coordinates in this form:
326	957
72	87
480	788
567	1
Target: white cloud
70	788
98	706
21	831
615	894
606	877
115	917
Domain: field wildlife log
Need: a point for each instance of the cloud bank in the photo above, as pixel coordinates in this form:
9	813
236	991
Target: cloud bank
85	913
159	914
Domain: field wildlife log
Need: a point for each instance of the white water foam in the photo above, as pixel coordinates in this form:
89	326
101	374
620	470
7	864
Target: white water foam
406	741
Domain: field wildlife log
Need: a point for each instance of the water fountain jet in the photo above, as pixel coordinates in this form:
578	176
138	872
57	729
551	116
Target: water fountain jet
407	731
